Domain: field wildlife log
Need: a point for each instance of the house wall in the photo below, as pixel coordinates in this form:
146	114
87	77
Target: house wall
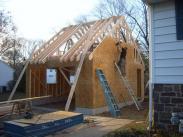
6	74
91	100
166	54
167	51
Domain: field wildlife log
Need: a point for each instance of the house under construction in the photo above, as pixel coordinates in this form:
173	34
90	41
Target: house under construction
65	66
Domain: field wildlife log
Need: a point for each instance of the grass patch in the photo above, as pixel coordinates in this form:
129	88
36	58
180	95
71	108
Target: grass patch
139	129
135	129
166	134
18	95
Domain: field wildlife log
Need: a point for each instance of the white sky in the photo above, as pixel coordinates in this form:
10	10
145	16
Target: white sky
39	19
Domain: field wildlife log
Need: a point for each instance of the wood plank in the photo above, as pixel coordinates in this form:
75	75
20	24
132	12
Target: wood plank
44	118
61	71
28	81
38	80
39	87
24	99
34	85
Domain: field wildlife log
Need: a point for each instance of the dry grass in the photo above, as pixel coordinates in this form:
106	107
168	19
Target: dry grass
138	128
18	95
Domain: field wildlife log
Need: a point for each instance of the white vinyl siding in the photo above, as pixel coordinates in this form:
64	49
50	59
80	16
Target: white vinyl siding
6	74
167	51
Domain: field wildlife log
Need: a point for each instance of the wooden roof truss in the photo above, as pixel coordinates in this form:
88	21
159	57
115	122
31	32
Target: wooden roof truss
70	42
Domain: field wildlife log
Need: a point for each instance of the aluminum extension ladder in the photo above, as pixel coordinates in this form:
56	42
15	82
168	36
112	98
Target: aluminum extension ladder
129	88
111	102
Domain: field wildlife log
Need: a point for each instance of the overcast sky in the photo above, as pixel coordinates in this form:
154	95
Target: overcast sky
38	19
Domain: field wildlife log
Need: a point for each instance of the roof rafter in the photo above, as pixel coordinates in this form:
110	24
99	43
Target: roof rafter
115	27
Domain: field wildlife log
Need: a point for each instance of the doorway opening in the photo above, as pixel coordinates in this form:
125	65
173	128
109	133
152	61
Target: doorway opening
139	88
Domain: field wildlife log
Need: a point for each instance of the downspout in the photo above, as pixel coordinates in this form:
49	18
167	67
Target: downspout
151	85
150	105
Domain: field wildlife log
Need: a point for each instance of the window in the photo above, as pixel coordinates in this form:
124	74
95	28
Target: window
179	18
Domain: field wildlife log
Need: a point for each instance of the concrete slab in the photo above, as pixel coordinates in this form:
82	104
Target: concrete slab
96	126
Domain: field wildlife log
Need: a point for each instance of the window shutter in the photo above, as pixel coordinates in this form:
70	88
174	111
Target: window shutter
179	18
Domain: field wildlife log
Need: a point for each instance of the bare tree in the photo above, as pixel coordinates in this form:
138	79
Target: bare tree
135	14
108	8
82	19
7	32
138	17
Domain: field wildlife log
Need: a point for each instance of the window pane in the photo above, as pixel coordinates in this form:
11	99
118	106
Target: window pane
179	18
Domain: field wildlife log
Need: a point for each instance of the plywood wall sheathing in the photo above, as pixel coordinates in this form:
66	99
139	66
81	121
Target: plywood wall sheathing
103	57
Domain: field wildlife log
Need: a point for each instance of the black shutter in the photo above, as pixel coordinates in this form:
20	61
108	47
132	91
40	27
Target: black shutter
179	18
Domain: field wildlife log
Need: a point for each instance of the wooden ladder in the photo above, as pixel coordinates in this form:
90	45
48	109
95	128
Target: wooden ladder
129	88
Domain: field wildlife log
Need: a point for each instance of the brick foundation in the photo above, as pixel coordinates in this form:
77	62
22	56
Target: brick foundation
168	98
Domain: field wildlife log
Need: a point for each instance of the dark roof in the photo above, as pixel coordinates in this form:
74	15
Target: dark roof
154	1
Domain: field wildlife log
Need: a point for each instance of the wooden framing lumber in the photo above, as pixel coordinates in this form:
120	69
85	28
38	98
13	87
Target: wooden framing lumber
24	99
38	79
55	43
66	57
47	43
62	42
76	45
29	80
79	49
61	71
100	35
96	34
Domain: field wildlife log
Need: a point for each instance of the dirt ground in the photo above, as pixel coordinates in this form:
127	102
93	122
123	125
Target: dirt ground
98	126
103	124
131	112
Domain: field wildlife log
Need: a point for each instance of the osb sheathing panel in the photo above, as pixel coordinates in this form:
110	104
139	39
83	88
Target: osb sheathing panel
89	93
84	89
36	82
